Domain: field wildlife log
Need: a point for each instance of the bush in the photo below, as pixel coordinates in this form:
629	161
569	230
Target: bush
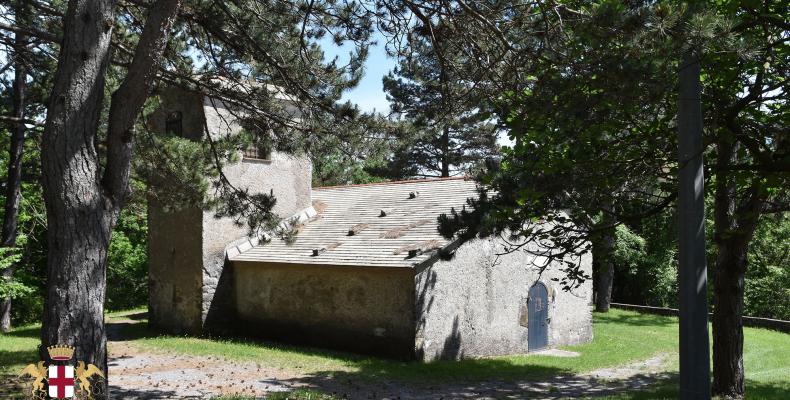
127	261
645	263
767	288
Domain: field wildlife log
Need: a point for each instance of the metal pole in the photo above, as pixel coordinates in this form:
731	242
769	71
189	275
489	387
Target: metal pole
692	271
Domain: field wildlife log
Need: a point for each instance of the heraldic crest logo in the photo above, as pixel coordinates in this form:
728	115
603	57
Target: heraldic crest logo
62	380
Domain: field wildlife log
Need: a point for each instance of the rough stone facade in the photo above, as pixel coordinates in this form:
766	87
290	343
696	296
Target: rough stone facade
190	288
472	304
364	309
174	267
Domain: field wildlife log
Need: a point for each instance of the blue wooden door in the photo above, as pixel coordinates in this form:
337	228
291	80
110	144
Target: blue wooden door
538	328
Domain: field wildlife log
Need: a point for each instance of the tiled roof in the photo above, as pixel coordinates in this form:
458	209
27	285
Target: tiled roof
383	241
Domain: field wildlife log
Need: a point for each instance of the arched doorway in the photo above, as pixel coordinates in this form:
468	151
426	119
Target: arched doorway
538	310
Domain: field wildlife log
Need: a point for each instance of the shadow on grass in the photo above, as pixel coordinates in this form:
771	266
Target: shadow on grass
541	382
634	319
763	390
11	364
18	357
146	393
25	332
13	387
139	316
668	389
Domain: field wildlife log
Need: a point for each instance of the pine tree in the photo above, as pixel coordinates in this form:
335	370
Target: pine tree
447	132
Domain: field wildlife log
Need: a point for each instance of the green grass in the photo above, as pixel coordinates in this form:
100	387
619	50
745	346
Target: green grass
620	337
18	348
615	344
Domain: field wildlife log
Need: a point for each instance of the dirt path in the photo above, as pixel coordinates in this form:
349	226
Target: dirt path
139	373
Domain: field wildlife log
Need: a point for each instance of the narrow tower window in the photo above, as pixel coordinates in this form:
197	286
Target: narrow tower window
173	124
259	149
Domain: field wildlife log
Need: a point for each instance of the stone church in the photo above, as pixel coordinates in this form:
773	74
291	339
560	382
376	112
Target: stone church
367	271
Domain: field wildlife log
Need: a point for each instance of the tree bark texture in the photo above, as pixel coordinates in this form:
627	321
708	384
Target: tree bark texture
602	259
82	208
735	225
445	158
15	152
79	216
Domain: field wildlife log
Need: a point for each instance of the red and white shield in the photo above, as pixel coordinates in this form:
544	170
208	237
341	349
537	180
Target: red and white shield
61	381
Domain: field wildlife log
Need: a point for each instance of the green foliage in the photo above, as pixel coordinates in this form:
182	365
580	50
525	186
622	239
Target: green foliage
629	248
127	260
175	170
768	295
444	131
767	292
339	169
649	276
364	160
9	286
289	230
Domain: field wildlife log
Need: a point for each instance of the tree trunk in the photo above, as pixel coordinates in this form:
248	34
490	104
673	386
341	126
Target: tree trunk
728	371
735	225
79	216
81	208
446	152
13	186
602	259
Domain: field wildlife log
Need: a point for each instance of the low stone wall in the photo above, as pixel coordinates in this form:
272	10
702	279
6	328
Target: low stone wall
756	322
364	309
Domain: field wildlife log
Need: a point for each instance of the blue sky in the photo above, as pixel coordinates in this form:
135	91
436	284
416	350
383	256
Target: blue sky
368	94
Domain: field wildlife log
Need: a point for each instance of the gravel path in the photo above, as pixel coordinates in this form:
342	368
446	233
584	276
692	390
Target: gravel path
139	373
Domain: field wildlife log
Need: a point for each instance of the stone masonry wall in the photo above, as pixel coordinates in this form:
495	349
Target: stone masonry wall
174	236
289	178
197	236
175	282
367	309
470	306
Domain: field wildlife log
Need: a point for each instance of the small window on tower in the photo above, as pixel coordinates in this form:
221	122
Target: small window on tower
173	124
259	149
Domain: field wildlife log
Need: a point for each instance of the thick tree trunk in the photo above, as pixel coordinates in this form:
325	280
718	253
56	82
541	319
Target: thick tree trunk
14	183
735	225
602	260
81	207
728	371
79	215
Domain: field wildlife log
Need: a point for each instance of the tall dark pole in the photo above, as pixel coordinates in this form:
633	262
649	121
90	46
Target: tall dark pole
694	350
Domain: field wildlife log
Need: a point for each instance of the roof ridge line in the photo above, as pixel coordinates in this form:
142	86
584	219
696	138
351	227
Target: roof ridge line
451	178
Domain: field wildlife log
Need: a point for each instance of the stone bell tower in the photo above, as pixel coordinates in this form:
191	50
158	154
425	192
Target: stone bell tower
190	284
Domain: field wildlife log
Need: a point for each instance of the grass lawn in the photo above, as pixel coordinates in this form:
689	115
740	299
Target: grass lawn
620	337
615	343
